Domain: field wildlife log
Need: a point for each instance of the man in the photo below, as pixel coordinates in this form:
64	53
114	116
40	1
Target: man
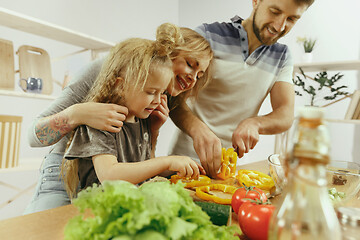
249	64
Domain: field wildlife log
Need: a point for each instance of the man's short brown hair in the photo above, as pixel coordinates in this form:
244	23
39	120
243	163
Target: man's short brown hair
307	2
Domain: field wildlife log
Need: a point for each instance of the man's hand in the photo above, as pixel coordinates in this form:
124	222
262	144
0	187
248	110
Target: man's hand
208	148
102	116
245	136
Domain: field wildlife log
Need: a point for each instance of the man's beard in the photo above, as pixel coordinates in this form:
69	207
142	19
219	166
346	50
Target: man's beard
257	31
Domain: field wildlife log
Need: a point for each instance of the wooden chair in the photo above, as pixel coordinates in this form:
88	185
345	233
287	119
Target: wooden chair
10	129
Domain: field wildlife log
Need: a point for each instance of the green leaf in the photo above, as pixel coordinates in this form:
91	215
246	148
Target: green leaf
156	210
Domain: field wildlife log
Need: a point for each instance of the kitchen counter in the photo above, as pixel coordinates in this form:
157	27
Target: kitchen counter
50	224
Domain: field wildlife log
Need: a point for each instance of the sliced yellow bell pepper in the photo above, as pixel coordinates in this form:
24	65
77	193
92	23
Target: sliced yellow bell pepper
228	163
190	182
255	178
203	192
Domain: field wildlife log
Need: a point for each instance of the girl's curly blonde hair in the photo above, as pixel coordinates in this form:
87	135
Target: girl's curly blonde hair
126	68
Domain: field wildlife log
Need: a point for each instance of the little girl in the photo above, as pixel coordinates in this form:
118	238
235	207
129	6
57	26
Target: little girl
137	81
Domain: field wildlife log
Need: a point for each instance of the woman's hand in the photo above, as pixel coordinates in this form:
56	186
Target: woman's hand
108	117
208	148
159	116
185	166
102	116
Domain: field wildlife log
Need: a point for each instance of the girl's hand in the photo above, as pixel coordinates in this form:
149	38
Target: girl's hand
185	167
159	116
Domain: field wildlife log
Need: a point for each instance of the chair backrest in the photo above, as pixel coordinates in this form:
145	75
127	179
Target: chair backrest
10	129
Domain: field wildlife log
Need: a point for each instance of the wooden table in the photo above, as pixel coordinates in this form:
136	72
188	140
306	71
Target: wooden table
50	224
43	225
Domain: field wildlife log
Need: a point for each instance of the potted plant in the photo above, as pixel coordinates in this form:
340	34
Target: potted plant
308	45
321	87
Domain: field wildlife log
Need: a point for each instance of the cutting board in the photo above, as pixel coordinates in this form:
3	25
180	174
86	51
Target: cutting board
230	181
35	62
7	73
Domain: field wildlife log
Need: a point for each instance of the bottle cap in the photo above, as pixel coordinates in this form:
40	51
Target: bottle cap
311	112
312	140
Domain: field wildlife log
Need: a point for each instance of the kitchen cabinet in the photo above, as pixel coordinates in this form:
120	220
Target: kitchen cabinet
29	105
51	31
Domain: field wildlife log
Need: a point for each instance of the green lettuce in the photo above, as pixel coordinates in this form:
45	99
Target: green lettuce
155	210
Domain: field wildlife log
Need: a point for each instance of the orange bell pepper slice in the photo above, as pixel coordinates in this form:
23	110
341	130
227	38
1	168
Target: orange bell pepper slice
228	163
203	192
255	178
190	182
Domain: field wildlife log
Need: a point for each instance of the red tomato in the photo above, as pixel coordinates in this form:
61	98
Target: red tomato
242	195
254	219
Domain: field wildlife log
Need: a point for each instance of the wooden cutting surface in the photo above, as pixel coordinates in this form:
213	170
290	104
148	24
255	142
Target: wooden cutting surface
7	72
35	62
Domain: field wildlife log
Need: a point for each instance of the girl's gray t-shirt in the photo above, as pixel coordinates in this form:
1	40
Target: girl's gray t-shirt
131	144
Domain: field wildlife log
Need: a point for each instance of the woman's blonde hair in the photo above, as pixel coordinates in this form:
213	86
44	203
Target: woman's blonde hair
194	46
126	68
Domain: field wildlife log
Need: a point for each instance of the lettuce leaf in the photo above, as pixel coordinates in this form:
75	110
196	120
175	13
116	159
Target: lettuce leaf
155	210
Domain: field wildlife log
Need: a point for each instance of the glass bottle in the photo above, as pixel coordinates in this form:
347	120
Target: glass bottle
306	211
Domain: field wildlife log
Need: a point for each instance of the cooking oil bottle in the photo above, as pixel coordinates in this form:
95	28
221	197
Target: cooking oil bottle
306	211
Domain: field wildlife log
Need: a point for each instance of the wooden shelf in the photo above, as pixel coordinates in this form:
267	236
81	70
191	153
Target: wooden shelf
26	95
351	121
38	27
35	26
331	66
328	66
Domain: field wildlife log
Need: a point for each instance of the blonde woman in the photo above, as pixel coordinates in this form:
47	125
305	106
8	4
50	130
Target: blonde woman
191	61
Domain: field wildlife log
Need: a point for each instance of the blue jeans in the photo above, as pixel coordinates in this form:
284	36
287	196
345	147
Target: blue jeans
50	191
